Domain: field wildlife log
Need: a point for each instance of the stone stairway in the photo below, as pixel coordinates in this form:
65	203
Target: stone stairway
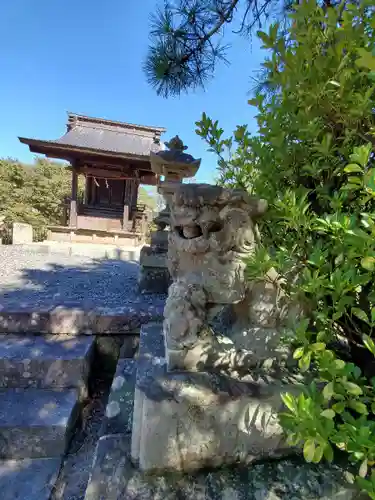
43	380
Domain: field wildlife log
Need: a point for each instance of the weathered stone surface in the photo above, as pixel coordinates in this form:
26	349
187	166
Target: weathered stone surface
130	346
114	478
154	280
173	163
77	321
151	359
160	239
28	479
36	423
54	361
212	229
186	421
119	411
22	233
266	305
154	259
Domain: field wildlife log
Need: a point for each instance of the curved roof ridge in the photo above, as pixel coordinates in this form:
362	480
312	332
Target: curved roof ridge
75	119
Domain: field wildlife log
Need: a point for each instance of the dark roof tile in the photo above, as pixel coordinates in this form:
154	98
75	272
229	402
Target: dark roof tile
110	136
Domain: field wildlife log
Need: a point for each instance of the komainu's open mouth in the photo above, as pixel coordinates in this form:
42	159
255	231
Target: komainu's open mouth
193	230
189	232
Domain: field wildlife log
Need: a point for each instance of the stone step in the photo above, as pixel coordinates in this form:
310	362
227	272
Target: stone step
36	423
54	361
73	319
150	363
119	411
28	479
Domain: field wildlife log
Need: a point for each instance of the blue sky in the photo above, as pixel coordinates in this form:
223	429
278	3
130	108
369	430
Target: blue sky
86	56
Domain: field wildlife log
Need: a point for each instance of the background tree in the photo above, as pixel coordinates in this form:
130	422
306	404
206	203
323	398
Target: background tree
147	198
187	37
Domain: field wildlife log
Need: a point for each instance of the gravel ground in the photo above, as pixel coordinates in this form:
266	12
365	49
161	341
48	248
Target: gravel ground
31	279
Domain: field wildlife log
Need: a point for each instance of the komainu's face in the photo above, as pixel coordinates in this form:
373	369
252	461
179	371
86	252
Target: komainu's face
208	218
212	229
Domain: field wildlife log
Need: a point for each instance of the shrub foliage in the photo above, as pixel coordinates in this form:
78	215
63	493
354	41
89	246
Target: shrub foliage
313	160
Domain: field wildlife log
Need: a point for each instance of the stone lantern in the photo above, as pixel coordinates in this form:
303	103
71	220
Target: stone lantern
173	165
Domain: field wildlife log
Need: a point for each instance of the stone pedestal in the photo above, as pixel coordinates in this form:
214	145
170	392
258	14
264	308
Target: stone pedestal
189	421
154	275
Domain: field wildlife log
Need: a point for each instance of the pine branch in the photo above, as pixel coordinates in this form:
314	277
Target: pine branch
183	54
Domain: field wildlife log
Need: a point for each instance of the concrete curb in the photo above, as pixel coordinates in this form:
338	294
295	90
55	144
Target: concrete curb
92	250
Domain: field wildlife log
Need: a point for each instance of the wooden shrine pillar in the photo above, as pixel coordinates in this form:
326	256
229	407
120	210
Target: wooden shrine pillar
73	200
135	189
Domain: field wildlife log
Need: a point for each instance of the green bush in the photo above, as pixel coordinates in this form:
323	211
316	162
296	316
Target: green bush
32	194
313	160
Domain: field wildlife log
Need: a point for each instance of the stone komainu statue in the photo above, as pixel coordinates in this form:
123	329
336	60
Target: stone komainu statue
212	230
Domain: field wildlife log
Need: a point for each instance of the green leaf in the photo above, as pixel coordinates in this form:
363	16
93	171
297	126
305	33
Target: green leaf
369	343
318	455
328	452
293	439
359	313
373	407
361	155
373	315
355	180
370	179
339	364
363	469
328	414
267	41
350	187
339	407
298	353
253	102
318	346
304	362
328	391
358	407
368	263
309	450
366	59
333	82
353	167
352	388
289	402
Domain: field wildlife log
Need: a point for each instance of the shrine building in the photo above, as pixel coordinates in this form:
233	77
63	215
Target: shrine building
114	159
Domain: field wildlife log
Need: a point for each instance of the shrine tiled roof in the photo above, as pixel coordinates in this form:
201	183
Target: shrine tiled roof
100	135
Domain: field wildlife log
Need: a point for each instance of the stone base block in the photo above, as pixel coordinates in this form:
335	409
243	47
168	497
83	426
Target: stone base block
113	478
154	280
189	421
160	239
154	259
